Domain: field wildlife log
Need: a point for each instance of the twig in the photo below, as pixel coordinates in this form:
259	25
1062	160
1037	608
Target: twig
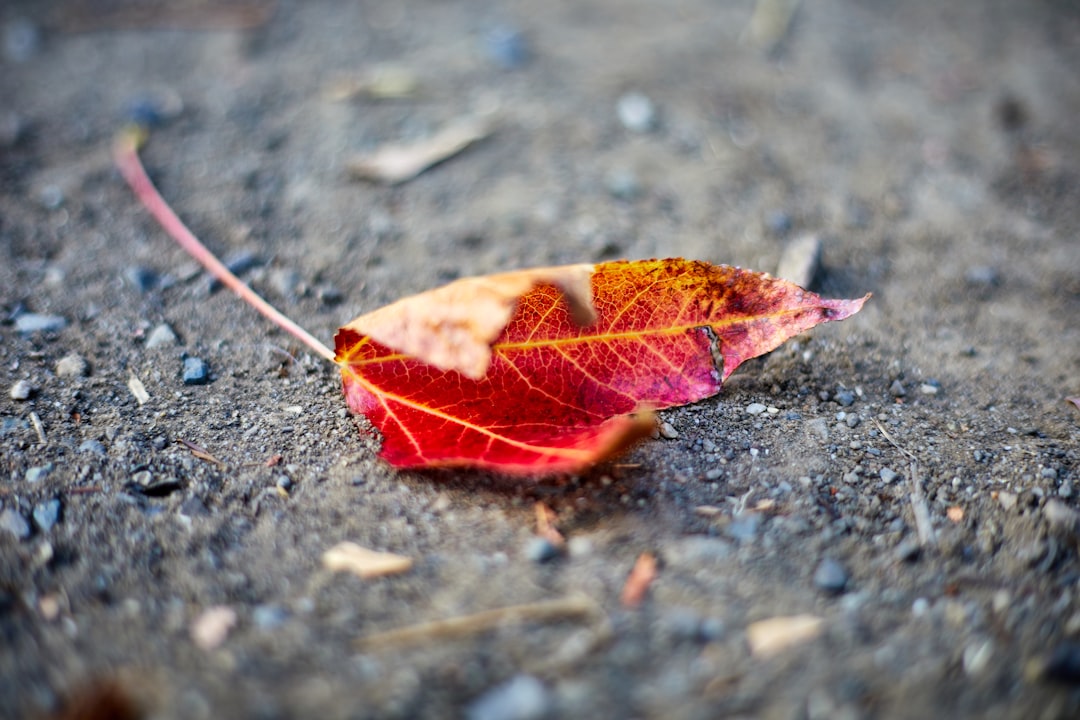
38	427
126	156
573	607
919	508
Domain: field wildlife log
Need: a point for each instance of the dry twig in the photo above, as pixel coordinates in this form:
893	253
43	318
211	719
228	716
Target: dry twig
919	507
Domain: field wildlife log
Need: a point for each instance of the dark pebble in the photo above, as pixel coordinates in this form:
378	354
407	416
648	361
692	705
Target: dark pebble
845	398
831	577
47	514
908	551
982	275
541	550
141	278
12	521
506	47
897	389
94	447
284	483
238	264
792	415
1062	664
33	322
196	371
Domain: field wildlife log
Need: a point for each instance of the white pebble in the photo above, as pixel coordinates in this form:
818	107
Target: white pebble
636	112
21	390
755	408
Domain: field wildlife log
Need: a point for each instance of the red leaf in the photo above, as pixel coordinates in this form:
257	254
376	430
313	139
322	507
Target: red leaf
545	394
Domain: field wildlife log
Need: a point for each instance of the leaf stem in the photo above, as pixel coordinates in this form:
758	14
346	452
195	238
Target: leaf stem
126	156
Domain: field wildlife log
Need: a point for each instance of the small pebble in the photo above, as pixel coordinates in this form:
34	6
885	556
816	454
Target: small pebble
34	322
47	514
897	389
1060	515
161	336
888	474
39	473
845	398
284	483
852	420
668	431
51	197
506	46
93	447
908	551
269	616
142	279
755	408
977	657
541	550
523	697
12	521
982	275
800	260
154	108
929	389
636	112
21	390
831	577
195	372
73	365
1048	473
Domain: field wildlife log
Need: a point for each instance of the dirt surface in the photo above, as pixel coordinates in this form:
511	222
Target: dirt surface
931	146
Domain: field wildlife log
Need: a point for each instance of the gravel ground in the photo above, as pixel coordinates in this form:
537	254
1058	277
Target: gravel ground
906	481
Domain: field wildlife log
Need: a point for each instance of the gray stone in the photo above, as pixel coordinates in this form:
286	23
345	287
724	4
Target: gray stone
853	420
636	112
73	365
755	408
47	514
831	576
141	278
1007	500
541	550
39	473
845	398
888	475
33	322
12	521
269	616
161	336
93	447
196	371
668	431
21	390
897	389
523	697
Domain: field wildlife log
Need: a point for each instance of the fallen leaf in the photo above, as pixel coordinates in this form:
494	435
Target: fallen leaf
350	557
211	628
395	164
199	451
639	580
501	371
770	637
541	371
1074	400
